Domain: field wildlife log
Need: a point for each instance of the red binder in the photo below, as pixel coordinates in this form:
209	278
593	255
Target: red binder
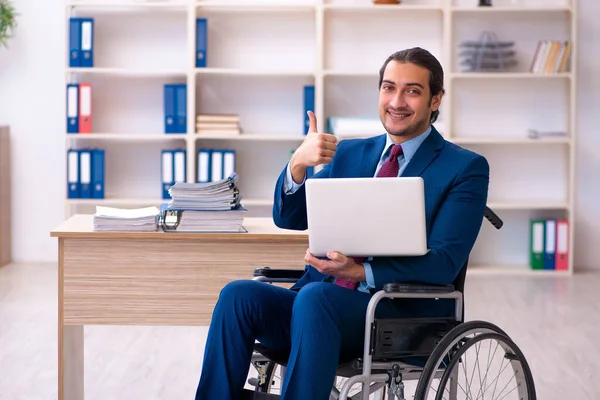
85	108
562	245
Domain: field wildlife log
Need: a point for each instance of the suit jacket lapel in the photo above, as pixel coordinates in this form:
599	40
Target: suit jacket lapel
370	156
427	152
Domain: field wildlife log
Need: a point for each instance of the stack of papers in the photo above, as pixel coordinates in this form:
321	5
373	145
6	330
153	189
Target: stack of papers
204	221
117	219
220	195
204	207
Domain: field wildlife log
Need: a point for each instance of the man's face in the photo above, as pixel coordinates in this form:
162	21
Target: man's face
405	102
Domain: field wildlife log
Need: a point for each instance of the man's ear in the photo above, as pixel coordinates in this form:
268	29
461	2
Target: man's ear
436	101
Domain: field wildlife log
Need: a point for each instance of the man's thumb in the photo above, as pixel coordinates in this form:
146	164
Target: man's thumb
312	121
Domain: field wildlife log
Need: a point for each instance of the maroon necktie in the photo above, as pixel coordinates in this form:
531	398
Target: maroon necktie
389	169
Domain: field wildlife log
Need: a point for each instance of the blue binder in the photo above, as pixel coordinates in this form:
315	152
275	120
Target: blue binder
167	172
169	108
74	42
87	42
72	108
72	174
204	170
201	42
309	105
98	173
85	174
181	108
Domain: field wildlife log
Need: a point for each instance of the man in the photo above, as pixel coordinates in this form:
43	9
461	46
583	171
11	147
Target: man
321	319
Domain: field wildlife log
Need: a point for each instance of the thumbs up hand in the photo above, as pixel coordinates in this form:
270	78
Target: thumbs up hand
317	148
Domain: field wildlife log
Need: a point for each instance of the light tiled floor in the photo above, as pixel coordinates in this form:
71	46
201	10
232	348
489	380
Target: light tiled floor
554	320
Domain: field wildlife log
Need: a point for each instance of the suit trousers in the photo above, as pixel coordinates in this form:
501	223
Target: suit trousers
319	324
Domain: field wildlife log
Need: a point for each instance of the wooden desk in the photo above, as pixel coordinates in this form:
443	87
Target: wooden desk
152	278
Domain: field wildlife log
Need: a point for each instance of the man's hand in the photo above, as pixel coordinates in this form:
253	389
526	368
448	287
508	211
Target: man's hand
317	148
338	265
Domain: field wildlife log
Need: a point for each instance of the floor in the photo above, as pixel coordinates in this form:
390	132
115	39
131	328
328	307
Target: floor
554	320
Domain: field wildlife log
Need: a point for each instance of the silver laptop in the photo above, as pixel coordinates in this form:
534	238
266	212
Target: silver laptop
366	216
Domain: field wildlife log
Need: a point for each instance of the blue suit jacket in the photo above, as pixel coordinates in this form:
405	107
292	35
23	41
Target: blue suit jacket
456	186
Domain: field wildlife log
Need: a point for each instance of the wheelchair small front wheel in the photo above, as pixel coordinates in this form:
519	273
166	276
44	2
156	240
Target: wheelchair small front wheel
475	364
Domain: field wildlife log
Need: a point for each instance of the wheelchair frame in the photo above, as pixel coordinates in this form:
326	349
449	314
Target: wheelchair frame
396	370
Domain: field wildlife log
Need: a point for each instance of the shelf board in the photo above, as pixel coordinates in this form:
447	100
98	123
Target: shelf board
134	137
128	4
496	9
369	74
382	7
253	136
258	5
257	202
151	201
253	72
528	205
512	270
509	140
509	75
129	72
116	201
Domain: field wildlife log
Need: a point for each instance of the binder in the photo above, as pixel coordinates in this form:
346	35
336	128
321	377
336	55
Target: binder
72	108
87	42
179	170
168	175
169	108
216	167
72	174
85	108
229	164
309	105
204	166
537	244
74	42
562	245
181	108
85	174
201	42
98	173
550	245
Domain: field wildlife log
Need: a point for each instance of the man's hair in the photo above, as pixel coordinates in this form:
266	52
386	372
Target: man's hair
425	59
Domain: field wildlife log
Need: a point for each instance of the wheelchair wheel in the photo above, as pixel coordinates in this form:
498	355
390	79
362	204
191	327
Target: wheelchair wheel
472	361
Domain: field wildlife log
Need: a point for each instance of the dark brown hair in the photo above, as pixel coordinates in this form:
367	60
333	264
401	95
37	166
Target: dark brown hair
425	59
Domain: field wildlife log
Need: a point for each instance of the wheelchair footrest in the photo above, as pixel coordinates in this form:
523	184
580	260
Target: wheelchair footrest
405	337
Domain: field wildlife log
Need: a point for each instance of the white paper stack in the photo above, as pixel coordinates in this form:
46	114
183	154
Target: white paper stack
219	195
117	219
204	207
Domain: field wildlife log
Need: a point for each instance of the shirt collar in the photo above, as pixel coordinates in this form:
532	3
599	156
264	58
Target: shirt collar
410	147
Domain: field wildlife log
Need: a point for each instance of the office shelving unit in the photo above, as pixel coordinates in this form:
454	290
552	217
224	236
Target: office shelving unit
260	54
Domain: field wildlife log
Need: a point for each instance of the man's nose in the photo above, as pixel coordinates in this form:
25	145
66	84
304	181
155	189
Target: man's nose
398	101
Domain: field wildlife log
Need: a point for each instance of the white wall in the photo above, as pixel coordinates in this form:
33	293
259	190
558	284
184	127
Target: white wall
33	70
31	101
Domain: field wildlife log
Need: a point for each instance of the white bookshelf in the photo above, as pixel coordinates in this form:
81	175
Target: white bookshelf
261	54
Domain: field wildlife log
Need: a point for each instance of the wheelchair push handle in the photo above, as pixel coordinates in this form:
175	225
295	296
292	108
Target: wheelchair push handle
493	218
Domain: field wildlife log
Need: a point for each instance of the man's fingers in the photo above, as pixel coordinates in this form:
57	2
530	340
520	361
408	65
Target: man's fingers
330	145
327	153
312	121
328	137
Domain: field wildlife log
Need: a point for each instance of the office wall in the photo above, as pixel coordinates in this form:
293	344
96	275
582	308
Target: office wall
32	101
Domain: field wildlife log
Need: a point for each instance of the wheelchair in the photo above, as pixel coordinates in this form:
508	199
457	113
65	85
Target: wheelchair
441	356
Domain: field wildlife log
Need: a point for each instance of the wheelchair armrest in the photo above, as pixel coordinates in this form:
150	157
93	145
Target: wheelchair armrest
266	274
402	287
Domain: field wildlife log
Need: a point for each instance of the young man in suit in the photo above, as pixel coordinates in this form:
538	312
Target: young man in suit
321	318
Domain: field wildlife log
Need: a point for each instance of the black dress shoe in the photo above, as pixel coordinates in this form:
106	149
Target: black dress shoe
251	395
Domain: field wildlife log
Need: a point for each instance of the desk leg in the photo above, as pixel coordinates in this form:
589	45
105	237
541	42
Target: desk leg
70	345
70	362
